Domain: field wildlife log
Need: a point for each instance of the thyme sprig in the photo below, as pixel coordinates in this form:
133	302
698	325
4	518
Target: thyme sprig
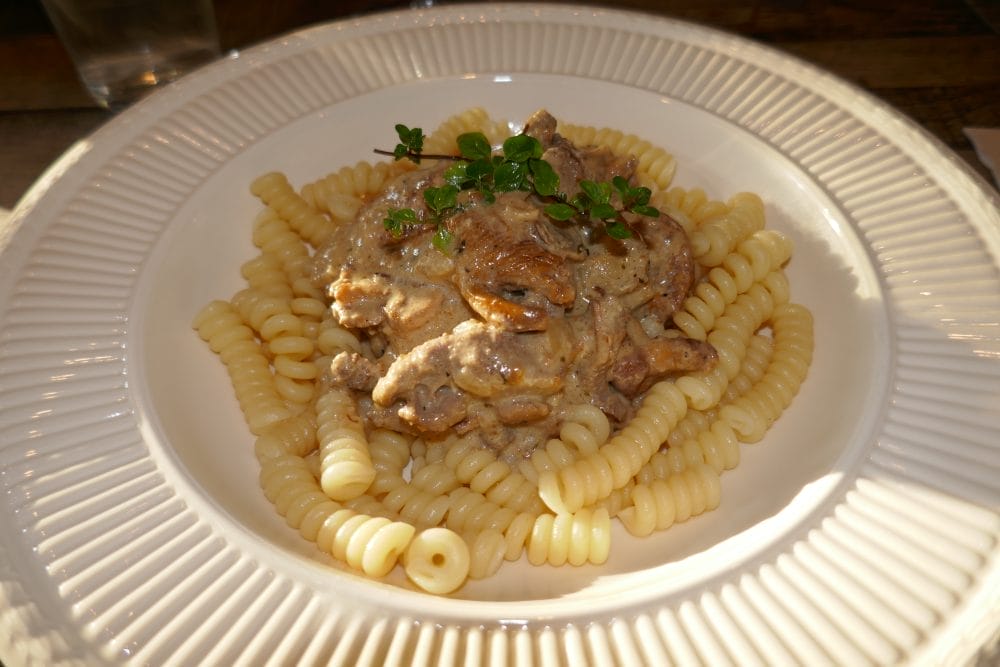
518	167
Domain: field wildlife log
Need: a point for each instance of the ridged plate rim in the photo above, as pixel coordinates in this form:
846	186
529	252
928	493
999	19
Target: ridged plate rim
892	179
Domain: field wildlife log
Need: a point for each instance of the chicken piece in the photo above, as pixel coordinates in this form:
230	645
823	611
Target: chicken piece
637	368
359	300
430	386
671	265
351	370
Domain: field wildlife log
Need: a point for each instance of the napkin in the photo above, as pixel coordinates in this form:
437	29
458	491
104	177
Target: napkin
986	142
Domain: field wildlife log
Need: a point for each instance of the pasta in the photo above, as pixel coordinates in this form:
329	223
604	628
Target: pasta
439	504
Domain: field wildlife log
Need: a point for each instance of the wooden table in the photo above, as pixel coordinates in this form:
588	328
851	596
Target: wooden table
937	61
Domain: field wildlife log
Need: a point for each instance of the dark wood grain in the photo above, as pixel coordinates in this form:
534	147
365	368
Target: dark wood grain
937	61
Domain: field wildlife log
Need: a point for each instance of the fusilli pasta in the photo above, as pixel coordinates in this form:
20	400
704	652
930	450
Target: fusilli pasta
444	507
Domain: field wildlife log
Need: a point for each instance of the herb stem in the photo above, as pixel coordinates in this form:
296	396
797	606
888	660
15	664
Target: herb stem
421	156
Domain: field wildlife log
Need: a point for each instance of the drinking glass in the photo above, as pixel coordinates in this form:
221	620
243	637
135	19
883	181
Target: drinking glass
122	49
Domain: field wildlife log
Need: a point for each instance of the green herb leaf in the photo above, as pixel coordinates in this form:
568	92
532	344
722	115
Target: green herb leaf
546	180
457	174
474	146
560	211
599	193
639	197
580	202
510	176
648	211
603	212
411	142
621	185
617	230
439	199
442	239
519	167
398	218
521	148
479	170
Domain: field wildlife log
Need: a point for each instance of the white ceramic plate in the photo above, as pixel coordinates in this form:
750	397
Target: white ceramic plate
863	529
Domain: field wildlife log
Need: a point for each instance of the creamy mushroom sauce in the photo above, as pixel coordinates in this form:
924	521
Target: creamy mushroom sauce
523	317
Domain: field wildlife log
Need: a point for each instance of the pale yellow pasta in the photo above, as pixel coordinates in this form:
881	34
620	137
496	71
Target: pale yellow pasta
578	538
275	191
486	553
716	238
730	338
275	238
256	306
585	428
309	307
719	446
752	261
346	469
445	507
437	560
554	455
754	412
469	511
481	470
249	371
333	339
690	208
295	435
594	477
437	478
369	544
752	369
342	193
288	482
660	504
389	452
443	140
290	353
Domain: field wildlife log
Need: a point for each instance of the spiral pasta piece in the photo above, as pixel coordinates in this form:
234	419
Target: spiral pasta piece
716	238
275	237
389	453
289	350
752	261
615	463
222	328
660	504
578	538
274	190
369	544
554	455
479	469
730	338
752	369
585	428
345	463
265	275
295	435
437	560
415	505
332	339
753	413
486	553
443	140
342	193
